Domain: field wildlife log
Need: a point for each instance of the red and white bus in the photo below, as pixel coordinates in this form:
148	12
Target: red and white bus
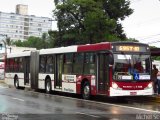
93	69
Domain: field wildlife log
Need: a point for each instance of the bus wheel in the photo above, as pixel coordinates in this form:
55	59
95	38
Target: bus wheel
48	86
86	91
16	83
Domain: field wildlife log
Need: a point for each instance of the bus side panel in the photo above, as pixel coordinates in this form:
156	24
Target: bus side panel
34	69
20	79
9	78
69	83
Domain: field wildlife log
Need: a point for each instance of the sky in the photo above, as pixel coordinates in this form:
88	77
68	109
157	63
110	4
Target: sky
143	24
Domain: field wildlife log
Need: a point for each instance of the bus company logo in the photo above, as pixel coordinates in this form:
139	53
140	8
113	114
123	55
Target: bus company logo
132	87
69	78
127	86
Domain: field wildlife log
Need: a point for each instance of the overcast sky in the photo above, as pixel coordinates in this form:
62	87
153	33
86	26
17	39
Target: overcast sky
143	24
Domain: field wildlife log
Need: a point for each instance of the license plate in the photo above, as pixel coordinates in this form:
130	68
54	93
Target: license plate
133	93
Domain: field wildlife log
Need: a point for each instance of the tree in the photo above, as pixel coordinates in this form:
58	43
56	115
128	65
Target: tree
33	42
83	19
90	21
117	10
53	39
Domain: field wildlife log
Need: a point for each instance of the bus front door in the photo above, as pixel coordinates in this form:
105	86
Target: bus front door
26	70
58	72
102	73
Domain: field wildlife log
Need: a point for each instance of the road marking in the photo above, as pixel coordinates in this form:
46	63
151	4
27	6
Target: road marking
18	99
3	87
88	114
100	102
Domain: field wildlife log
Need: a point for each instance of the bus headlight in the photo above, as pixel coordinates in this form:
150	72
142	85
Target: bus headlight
114	85
149	86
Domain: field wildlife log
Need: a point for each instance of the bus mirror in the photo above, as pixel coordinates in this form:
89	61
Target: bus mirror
111	59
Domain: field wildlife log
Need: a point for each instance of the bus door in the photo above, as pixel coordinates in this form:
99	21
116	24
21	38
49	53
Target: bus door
102	73
26	70
58	71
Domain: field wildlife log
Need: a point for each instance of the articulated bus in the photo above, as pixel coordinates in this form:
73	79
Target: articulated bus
108	68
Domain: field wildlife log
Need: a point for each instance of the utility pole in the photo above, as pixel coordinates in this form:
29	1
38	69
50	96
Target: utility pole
4	42
4	55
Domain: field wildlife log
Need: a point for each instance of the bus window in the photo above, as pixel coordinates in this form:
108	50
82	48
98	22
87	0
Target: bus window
7	65
42	64
20	65
49	64
89	63
68	59
78	63
11	64
16	65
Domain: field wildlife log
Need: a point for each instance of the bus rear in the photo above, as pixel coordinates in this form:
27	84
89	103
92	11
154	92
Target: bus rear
131	71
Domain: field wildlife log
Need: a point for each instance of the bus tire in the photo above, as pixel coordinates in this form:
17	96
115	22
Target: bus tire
48	86
86	91
16	82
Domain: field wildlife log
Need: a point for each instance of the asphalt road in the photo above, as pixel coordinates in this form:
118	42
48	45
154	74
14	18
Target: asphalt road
28	105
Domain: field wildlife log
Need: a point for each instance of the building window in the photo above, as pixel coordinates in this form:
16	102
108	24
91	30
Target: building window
40	29
12	16
39	25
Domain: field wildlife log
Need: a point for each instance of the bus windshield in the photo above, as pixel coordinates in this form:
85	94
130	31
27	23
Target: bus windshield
131	67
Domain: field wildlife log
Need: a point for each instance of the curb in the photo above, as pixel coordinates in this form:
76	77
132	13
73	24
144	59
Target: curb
2	81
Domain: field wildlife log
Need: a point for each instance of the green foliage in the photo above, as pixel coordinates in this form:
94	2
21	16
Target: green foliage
90	21
35	42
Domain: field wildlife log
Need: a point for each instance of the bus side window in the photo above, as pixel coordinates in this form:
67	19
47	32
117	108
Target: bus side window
49	64
42	64
20	65
68	60
78	63
16	64
7	65
11	64
89	63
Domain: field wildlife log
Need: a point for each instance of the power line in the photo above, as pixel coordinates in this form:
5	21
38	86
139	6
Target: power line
153	42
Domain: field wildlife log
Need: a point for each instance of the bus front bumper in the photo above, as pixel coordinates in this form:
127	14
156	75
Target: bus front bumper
118	92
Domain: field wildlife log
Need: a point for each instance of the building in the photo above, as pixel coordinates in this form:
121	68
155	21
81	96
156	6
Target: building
22	9
19	25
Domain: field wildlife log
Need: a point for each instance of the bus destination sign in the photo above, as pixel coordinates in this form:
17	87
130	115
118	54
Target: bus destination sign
129	48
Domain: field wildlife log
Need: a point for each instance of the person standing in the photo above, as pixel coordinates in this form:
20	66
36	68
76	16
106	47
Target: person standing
158	83
154	78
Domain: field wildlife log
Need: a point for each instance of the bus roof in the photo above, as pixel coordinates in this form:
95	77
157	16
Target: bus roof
19	54
94	47
68	49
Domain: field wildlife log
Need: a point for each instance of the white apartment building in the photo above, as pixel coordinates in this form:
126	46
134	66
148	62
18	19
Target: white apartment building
19	25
